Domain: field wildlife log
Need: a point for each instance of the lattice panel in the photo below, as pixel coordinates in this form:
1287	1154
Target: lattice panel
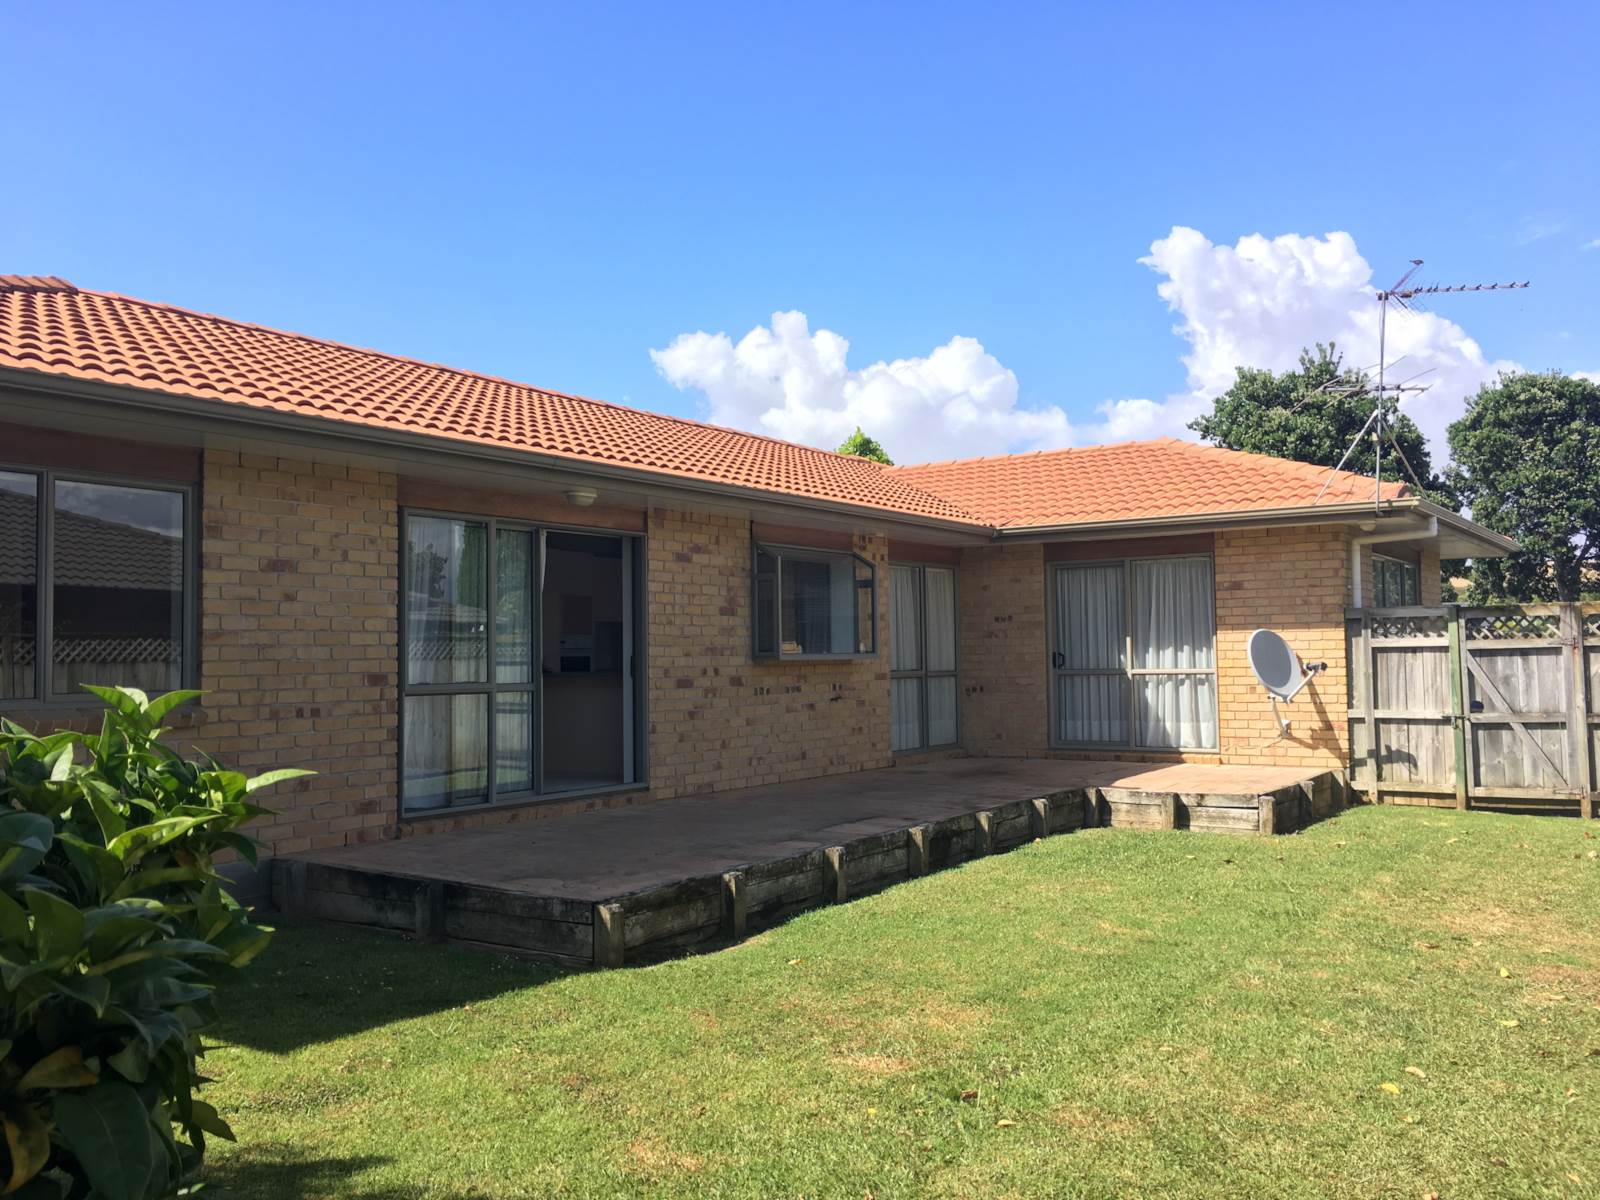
1408	627
1591	625
116	650
1507	626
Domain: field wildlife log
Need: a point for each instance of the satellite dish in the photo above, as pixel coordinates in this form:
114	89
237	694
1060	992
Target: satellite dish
1277	666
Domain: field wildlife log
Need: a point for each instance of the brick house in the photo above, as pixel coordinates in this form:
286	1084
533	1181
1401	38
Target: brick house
466	601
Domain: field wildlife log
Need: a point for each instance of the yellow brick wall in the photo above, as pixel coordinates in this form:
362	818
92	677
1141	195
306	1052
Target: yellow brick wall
1296	581
717	718
1292	580
1004	671
299	634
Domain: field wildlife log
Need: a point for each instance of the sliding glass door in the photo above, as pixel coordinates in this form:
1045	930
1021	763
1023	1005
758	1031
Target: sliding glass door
517	673
1132	656
922	661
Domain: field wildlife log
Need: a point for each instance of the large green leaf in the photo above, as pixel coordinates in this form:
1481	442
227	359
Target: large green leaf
14	927
24	841
128	701
92	990
268	778
57	925
162	705
135	843
107	1129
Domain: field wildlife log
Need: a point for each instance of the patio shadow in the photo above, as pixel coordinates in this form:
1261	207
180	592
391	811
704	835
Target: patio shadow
317	983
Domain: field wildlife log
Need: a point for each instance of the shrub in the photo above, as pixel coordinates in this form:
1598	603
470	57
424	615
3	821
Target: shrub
115	928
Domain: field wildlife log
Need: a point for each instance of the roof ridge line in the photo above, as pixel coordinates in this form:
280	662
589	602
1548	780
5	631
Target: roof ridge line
218	318
951	462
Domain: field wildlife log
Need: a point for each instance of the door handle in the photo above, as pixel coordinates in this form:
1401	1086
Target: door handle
1057	659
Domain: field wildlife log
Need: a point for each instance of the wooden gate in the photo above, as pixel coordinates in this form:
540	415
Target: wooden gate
1476	707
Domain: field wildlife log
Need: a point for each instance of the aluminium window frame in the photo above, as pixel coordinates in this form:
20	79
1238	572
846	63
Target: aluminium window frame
778	550
922	672
44	695
635	716
1128	671
489	687
1412	569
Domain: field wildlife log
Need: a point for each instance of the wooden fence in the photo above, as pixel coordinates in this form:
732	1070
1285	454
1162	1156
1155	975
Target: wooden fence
1476	707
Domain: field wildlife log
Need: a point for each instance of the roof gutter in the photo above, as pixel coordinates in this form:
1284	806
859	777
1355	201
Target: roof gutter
1304	515
245	421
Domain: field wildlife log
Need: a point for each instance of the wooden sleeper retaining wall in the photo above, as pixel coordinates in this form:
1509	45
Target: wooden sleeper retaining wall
715	909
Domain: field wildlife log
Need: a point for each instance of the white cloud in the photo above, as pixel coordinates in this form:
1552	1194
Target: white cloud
1258	302
1536	229
1591	376
784	380
1593	245
1255	303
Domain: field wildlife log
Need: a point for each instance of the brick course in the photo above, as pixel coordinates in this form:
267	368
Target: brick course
299	599
299	632
1004	672
719	718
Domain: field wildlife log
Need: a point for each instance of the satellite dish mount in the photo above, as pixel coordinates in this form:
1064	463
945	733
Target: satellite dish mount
1279	669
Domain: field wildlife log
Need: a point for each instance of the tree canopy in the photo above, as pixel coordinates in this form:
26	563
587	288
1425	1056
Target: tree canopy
1527	462
862	446
1285	415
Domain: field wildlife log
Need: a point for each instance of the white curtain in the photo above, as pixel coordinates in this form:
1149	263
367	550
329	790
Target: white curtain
905	621
1089	637
906	713
941	607
1092	708
1174	627
1089	631
447	751
942	729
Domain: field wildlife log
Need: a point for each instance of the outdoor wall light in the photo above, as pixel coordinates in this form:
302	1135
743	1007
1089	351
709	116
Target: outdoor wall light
582	497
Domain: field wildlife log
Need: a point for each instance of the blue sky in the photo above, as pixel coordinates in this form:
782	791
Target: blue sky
552	193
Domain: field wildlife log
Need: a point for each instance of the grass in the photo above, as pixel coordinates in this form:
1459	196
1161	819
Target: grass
1393	1003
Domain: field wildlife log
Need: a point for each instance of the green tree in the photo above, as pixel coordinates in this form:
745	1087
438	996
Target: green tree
1286	416
862	446
1527	462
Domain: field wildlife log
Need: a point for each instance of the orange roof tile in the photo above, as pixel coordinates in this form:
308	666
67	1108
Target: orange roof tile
1133	481
49	326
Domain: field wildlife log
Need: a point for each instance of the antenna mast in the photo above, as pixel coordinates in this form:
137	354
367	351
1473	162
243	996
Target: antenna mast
1405	296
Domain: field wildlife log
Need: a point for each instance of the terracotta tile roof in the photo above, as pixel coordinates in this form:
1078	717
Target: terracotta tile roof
50	326
1132	480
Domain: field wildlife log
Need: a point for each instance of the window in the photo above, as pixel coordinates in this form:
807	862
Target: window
813	603
922	657
1133	660
500	617
95	585
469	704
1395	584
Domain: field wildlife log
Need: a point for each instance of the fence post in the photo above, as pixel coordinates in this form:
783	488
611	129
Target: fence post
1578	707
1458	701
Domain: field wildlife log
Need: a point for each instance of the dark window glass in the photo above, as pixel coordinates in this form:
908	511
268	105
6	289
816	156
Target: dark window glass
810	602
117	587
19	584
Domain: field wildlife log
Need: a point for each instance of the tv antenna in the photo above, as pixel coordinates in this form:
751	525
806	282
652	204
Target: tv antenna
1405	294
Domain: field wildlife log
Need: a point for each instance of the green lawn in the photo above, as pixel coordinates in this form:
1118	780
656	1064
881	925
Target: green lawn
1394	1003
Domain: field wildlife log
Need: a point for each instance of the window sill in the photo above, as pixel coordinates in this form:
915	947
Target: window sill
788	658
1121	748
552	798
37	714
